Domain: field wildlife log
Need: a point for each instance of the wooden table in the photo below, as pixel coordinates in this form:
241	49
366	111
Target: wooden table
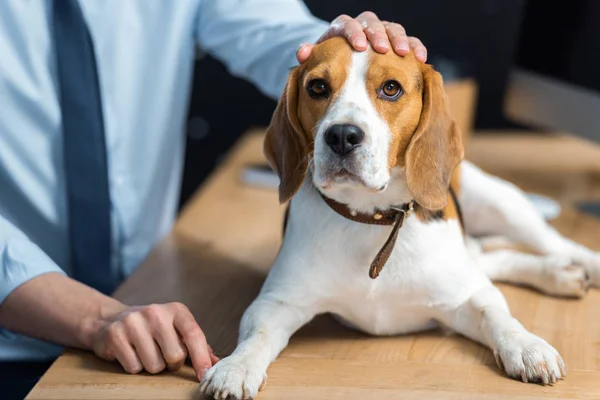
226	239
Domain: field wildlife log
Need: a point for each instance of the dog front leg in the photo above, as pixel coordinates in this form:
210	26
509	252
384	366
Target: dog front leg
521	354
265	330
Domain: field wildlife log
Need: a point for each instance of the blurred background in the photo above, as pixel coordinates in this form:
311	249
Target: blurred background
509	65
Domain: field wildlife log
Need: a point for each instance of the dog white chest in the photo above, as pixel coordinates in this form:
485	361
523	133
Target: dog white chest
382	313
406	297
429	268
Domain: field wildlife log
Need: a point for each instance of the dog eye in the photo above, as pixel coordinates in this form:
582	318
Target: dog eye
317	88
390	90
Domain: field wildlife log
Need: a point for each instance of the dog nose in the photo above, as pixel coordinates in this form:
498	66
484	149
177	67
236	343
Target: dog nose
343	138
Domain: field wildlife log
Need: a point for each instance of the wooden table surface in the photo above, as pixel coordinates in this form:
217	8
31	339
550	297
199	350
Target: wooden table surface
226	238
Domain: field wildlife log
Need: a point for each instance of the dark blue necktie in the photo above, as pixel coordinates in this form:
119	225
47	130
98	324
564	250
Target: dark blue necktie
85	160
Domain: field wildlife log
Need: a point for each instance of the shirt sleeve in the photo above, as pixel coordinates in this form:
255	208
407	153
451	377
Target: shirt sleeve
257	39
20	259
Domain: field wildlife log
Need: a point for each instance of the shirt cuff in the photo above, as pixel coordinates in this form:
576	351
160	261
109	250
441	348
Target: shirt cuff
20	261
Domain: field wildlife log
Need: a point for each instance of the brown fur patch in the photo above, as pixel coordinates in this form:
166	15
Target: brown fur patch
435	149
425	215
425	139
329	61
402	115
451	209
290	136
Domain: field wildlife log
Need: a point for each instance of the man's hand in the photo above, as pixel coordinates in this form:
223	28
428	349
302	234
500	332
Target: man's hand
58	309
367	27
153	338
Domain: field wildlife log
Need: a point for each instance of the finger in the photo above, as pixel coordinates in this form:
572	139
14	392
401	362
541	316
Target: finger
419	48
213	358
175	353
304	52
160	323
176	366
375	31
349	28
334	28
147	349
129	360
119	346
398	38
194	340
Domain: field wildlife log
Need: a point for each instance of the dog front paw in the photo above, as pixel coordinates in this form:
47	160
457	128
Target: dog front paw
529	358
233	377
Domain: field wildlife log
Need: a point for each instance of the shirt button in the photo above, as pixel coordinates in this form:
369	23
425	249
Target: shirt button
119	180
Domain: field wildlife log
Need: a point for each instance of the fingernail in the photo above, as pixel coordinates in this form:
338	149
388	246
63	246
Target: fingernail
382	43
300	47
403	46
361	42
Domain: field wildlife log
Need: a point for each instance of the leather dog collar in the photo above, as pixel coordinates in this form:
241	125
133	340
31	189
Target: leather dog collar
394	216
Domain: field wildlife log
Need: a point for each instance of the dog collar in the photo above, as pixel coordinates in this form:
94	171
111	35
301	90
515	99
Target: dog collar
395	216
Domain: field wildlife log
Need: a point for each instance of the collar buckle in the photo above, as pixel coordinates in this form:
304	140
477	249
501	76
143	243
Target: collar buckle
405	209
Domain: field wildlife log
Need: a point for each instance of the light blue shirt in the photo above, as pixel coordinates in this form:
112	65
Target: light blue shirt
145	52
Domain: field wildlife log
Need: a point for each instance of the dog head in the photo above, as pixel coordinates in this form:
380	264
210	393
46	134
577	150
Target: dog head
360	121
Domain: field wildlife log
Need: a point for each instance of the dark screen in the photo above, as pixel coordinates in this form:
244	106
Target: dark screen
561	39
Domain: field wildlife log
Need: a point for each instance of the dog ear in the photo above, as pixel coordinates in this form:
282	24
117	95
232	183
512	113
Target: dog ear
435	148
286	145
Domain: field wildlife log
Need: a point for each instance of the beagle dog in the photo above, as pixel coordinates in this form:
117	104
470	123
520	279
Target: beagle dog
387	223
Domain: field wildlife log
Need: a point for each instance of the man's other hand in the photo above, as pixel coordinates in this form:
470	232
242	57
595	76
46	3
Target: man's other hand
367	28
153	338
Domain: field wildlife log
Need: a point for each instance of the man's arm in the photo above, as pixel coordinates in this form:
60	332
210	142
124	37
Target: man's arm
38	300
258	39
57	309
35	294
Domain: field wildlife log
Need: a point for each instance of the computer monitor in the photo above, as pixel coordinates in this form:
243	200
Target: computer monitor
555	83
